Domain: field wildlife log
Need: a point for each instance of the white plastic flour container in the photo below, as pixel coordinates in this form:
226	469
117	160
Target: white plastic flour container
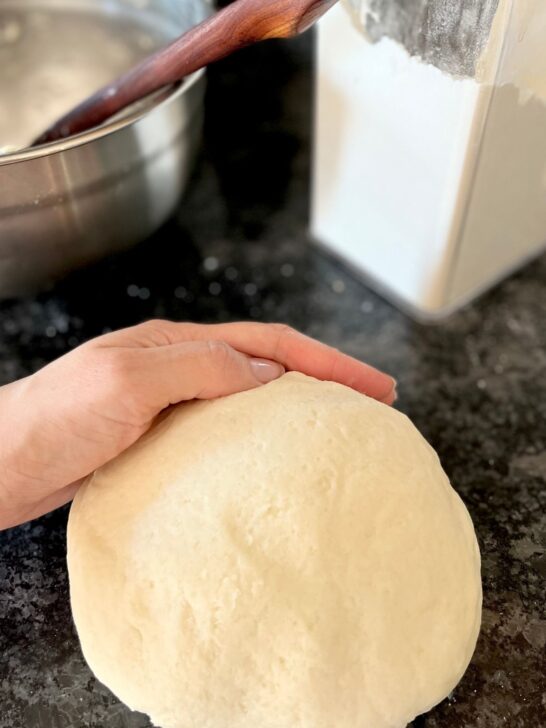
430	144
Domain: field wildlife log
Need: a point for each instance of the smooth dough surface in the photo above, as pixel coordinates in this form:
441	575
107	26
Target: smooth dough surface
289	557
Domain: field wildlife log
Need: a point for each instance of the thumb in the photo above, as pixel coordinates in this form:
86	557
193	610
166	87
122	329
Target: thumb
167	375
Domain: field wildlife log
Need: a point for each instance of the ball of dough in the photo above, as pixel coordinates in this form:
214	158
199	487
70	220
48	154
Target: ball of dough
289	557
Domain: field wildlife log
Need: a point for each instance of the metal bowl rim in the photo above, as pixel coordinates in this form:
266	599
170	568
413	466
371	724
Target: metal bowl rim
87	137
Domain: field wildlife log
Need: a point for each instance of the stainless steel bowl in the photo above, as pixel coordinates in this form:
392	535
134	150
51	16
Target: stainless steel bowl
68	203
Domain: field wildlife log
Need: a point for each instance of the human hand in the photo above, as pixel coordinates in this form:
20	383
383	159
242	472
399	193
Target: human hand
80	411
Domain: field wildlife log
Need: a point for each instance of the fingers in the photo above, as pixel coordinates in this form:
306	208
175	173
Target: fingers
167	375
301	353
280	343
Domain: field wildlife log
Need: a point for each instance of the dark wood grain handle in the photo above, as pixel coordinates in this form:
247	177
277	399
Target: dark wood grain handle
238	25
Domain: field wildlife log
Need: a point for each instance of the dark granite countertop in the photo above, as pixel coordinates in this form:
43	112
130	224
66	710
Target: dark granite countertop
475	385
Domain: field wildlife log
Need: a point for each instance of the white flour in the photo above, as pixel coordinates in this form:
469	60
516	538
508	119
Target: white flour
449	35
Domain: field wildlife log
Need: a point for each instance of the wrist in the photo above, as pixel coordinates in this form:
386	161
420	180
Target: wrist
13	425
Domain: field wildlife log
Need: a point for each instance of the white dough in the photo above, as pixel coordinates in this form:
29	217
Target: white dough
289	557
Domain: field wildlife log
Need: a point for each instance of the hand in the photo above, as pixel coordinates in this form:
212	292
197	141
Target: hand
75	414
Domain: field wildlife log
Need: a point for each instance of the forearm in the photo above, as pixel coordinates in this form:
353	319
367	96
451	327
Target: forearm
24	491
10	481
14	486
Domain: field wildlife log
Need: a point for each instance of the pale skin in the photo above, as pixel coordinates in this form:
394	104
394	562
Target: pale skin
82	410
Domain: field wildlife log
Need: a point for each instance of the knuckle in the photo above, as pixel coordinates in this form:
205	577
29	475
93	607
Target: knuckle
156	331
153	324
116	368
283	332
284	329
218	352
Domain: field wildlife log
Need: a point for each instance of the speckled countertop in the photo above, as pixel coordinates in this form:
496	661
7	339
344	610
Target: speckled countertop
475	386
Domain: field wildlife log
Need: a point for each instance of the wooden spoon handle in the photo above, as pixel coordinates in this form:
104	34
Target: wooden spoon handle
240	24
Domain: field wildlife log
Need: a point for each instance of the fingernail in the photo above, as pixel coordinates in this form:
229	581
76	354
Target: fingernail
392	396
395	390
266	371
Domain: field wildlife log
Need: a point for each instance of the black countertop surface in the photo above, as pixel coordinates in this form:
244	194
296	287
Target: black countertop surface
475	385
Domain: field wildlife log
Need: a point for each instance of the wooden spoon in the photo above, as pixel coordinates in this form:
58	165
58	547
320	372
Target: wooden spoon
238	25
